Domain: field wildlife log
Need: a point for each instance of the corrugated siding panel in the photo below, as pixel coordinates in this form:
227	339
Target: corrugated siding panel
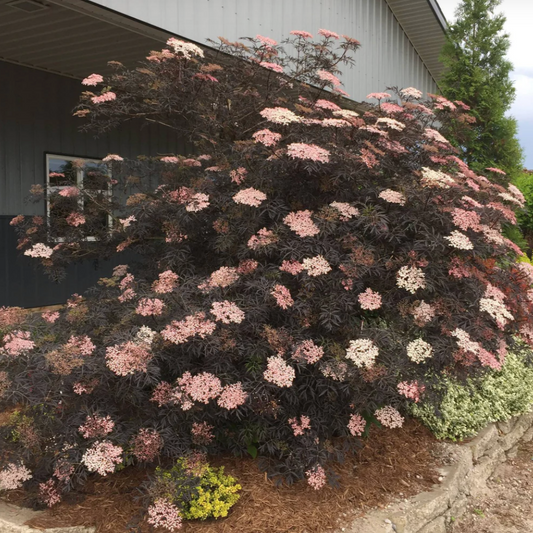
36	117
387	57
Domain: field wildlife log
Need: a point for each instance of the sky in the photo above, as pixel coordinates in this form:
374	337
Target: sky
519	25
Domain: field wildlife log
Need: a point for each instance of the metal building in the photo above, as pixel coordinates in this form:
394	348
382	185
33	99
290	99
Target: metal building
48	46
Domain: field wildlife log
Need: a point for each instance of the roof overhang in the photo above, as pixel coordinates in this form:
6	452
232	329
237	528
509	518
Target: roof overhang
72	37
425	25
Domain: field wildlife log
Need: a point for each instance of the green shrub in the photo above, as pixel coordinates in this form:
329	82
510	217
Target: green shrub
465	408
197	489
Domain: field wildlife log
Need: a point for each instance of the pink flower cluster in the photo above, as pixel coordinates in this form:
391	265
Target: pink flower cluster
150	307
102	457
69	192
370	300
303	34
328	77
411	390
93	79
81	345
300	222
96	426
197	202
127	358
282	295
166	283
50	316
247	266
292	267
75	219
108	96
389	417
200	388
328	34
423	313
271	66
251	197
232	396
356	425
264	237
308	352
279	115
279	372
346	210
49	493
164	514
362	352
13	476
411	279
112	157
11	316
39	250
310	152
147	444
393	197
298	428
266	137
202	433
316	477
377	96
238	175
227	312
223	277
434	135
316	266
181	331
162	394
267	41
466	220
17	343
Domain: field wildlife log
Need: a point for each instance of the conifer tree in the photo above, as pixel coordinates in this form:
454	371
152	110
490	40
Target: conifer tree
478	74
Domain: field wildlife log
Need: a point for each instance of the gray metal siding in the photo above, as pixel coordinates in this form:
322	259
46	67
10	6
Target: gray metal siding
36	117
386	58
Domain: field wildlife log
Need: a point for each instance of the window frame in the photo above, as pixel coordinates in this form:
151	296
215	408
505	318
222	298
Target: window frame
50	189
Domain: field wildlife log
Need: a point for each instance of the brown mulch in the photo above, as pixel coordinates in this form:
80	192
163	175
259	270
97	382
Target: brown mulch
390	465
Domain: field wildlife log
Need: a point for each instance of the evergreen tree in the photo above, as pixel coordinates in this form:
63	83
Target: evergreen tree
478	74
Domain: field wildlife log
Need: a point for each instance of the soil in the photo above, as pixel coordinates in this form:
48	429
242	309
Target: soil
507	505
390	465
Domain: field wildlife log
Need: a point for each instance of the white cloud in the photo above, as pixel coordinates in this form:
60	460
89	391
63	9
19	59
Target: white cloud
522	108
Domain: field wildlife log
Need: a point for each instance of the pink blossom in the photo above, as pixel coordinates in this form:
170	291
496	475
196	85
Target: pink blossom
227	312
326	76
75	219
112	157
223	277
393	197
517	193
102	457
370	300
326	104
356	425
49	493
40	250
377	96
292	267
85	387
279	115
15	221
82	345
198	202
162	394
247	266
147	444
267	41
13	476
368	158
126	222
50	316
279	372
423	313
17	343
202	433
389	417
170	159
120	270
266	137
334	369
127	295
411	390
300	222
239	175
282	296
150	307
69	192
362	352
127	358
346	210
335	123
166	283
496	171
180	332
96	426
93	79
251	197
389	108
104	97
316	477
311	152
308	352
264	237
466	219
271	66
164	514
328	34
298	428
316	266
232	396
507	213
303	34
434	135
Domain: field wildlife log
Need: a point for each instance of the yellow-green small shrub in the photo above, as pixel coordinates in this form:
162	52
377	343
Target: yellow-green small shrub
466	408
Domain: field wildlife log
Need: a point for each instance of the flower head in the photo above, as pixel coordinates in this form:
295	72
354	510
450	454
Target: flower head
311	152
362	352
279	372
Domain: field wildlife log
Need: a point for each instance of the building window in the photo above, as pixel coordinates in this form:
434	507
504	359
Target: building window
89	181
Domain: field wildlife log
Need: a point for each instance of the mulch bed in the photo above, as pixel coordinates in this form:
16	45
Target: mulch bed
391	464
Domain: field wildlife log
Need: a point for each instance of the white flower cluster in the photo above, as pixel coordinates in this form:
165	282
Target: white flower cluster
362	352
465	342
411	279
187	49
496	310
419	350
391	123
435	178
459	240
146	335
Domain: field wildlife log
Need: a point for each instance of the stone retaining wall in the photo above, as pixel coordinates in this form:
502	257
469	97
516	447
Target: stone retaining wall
474	463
